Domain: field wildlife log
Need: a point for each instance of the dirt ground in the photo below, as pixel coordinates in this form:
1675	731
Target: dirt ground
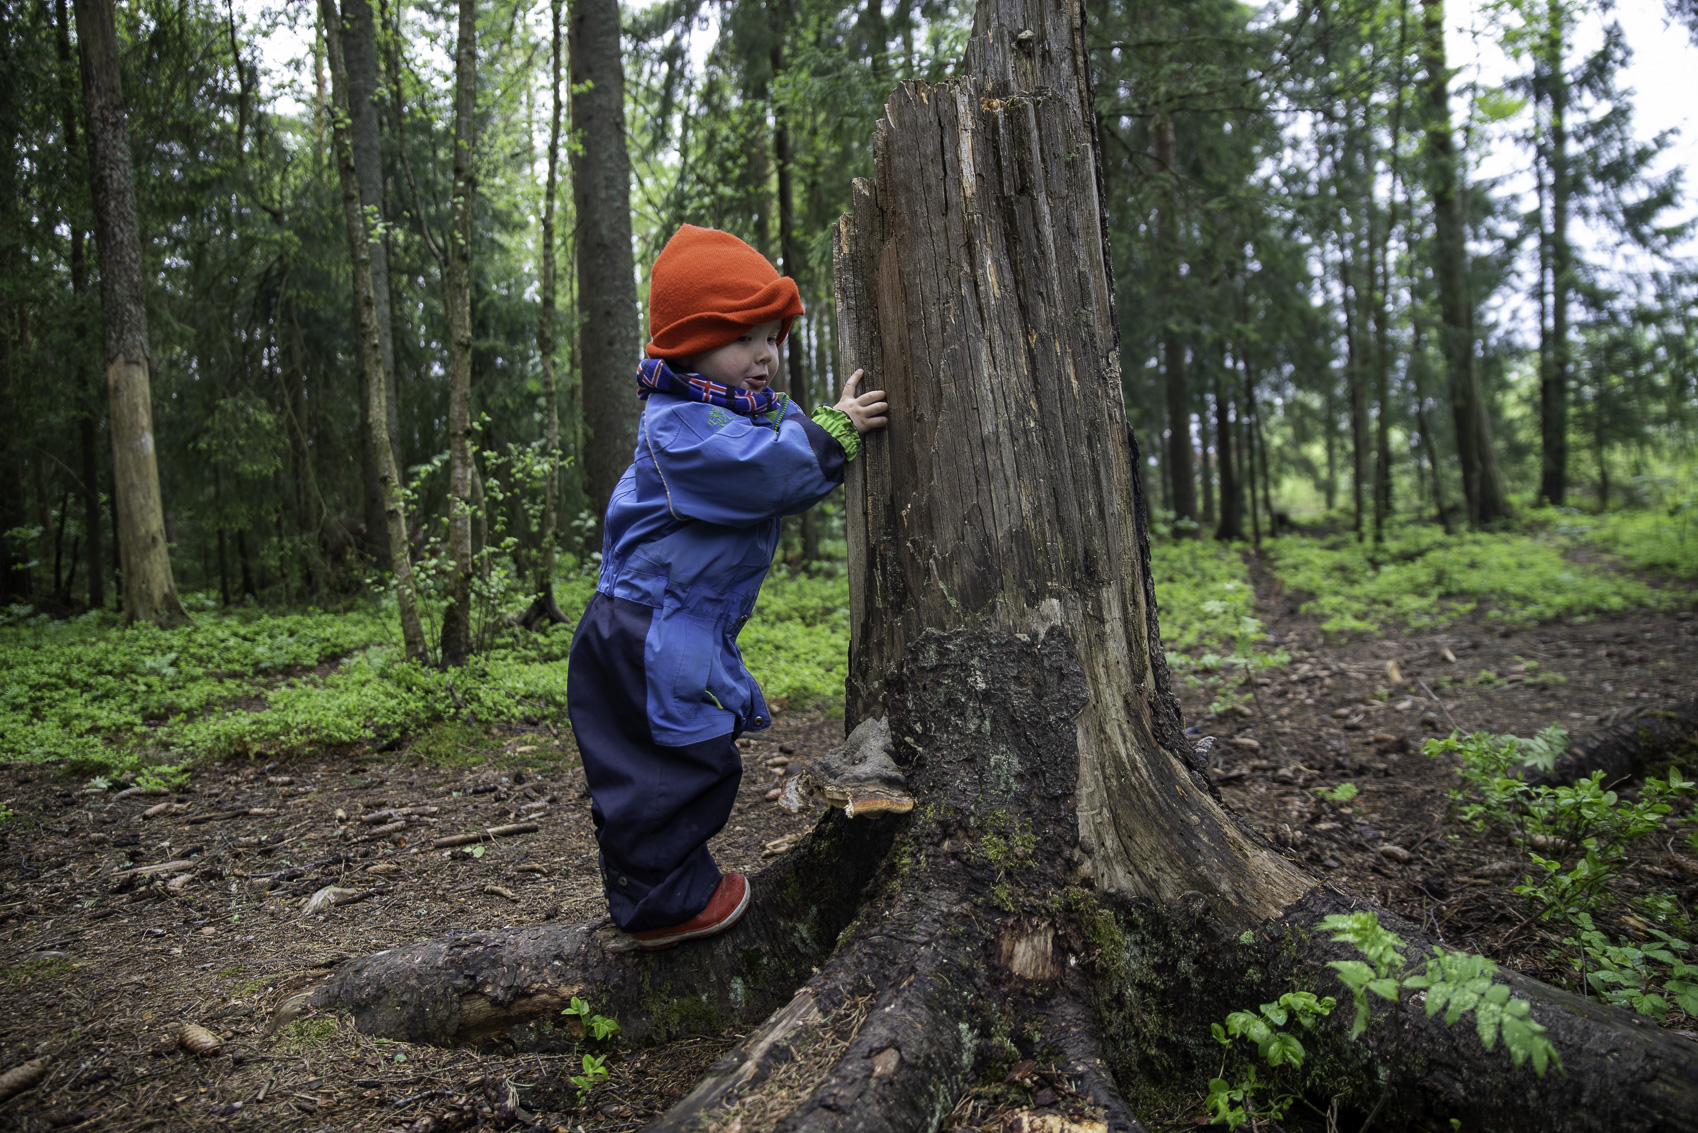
97	972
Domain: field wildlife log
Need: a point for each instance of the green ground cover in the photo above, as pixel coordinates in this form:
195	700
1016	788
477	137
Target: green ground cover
1423	578
92	693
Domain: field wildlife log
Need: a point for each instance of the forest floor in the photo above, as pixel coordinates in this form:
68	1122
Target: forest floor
98	970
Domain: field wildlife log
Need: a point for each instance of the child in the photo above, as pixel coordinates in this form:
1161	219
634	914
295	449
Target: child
656	689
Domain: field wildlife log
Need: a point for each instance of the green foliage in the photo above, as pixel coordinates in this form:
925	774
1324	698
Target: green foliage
1643	977
1208	623
1423	579
597	1027
1578	837
1652	539
595	1073
141	699
1453	982
1236	1102
1342	793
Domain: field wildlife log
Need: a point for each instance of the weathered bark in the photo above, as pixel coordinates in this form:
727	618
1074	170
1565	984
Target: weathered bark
472	986
544	607
359	55
608	340
1481	480
149	592
1066	865
457	297
370	350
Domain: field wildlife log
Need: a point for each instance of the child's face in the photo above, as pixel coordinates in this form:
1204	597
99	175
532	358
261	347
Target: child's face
747	362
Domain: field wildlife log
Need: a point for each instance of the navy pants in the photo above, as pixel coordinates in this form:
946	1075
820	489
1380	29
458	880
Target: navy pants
654	807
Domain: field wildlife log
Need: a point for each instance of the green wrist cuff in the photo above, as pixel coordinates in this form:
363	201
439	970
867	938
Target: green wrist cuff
836	422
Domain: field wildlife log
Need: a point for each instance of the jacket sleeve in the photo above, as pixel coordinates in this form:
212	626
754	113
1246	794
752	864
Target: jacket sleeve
720	467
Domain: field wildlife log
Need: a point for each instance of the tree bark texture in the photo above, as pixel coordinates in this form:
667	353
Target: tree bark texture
143	550
370	349
1066	867
457	288
359	54
1482	482
609	337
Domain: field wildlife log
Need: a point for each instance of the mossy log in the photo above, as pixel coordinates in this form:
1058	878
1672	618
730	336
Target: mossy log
1067	889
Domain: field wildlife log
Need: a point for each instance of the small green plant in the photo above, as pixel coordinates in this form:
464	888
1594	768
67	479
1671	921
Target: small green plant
1577	837
1642	977
597	1027
1234	1103
595	1073
163	779
1342	793
1453	982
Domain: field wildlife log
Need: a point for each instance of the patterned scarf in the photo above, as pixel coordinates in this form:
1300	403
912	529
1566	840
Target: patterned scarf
655	376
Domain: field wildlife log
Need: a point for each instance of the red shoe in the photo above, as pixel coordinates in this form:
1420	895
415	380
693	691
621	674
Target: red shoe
724	909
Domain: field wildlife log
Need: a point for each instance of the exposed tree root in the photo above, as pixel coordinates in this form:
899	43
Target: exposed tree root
1162	976
1634	748
472	986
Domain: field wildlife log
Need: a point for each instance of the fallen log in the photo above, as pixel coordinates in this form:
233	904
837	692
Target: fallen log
1645	745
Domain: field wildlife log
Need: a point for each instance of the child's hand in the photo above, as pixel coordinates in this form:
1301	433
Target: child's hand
866	411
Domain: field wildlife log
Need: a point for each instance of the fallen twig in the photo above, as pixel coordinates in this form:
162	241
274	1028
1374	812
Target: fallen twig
488	832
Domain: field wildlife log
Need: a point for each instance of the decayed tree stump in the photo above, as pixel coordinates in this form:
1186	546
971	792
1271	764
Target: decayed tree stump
1067	883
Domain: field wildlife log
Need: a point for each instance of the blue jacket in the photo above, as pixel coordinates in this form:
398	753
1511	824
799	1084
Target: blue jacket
691	530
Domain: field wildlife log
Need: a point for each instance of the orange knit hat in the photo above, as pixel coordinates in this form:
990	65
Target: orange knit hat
707	287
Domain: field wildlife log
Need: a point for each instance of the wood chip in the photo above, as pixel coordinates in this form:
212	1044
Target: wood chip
1394	673
488	832
157	809
1448	655
498	891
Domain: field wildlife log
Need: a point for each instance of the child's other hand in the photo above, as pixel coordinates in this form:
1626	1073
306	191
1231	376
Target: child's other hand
867	410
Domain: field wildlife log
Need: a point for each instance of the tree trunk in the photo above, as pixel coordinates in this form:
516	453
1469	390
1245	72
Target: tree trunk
1553	387
149	592
609	340
1068	887
370	349
1354	380
788	249
86	394
457	289
1231	483
1182	487
1481	480
359	55
545	607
